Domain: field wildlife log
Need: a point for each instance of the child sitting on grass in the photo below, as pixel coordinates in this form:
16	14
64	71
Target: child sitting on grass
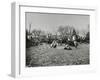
67	47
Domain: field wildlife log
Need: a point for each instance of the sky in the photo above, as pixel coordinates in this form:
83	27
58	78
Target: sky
50	22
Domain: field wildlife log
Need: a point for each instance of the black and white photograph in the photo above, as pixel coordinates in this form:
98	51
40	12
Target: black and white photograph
55	39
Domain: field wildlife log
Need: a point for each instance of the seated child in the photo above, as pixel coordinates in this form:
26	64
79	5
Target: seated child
67	47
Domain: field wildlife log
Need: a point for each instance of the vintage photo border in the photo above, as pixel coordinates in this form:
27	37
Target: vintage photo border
16	66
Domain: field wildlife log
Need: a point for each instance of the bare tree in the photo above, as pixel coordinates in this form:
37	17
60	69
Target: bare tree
67	31
36	33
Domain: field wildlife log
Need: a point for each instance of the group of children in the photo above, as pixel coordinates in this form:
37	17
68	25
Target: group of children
67	46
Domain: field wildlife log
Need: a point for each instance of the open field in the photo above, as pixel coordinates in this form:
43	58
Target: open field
43	55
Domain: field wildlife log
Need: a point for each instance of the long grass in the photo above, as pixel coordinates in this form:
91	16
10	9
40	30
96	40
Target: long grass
43	55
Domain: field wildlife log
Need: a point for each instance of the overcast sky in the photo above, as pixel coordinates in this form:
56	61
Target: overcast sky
51	22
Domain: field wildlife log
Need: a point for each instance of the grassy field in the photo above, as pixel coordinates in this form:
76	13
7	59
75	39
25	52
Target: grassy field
43	55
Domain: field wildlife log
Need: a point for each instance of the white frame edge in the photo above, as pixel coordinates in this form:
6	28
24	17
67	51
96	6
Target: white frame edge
15	40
